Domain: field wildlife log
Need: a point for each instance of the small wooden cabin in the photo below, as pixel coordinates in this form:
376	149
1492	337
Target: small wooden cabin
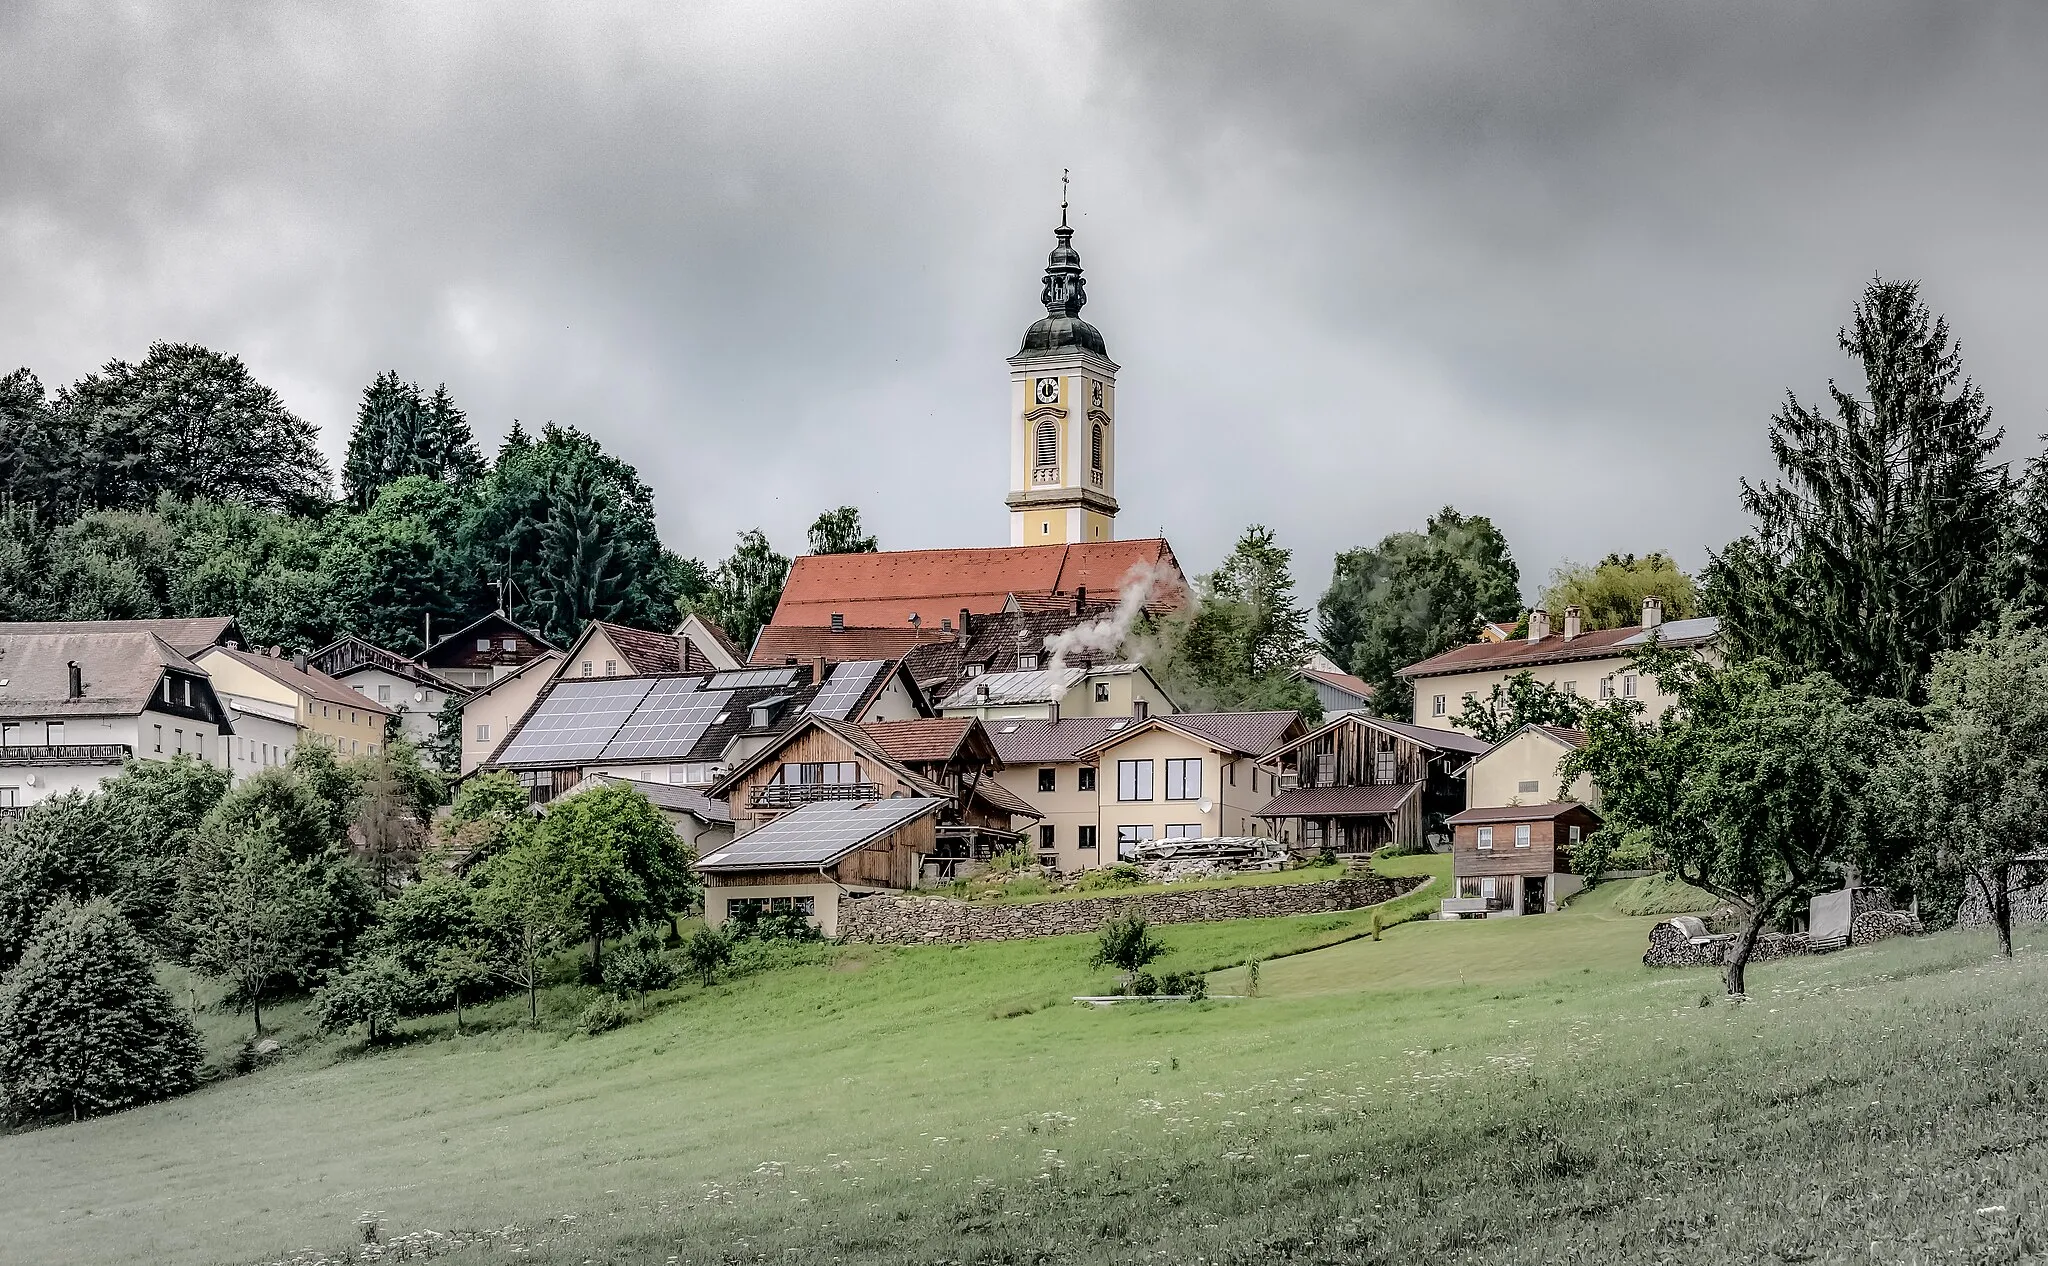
808	859
1359	782
1515	859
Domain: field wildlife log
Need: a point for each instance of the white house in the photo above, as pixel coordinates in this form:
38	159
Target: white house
75	705
412	692
266	734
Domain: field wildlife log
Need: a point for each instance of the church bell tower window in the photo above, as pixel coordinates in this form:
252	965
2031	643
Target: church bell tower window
1045	453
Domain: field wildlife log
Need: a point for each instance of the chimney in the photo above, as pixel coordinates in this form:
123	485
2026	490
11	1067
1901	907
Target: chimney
1572	623
299	660
981	692
818	670
1653	611
75	687
1539	625
1052	714
1080	599
839	622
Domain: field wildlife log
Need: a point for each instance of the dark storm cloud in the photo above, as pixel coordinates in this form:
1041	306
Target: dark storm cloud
1552	262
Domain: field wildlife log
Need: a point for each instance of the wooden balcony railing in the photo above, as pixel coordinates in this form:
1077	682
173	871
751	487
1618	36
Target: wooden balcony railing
64	754
790	795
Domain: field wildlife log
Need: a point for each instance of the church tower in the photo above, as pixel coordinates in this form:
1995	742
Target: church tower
1062	416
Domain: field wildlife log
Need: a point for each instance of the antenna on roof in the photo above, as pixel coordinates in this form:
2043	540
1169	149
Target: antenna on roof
499	585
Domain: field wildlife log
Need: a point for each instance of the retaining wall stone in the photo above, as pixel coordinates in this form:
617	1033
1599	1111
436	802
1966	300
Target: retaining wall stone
914	920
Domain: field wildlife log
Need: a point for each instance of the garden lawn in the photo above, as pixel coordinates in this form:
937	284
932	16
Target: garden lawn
1506	1090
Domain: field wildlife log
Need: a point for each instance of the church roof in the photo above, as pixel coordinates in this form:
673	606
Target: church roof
1061	329
883	590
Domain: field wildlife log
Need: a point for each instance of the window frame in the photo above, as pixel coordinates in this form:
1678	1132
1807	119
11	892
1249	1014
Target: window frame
1524	835
1178	765
1482	839
1439	705
1084	778
1048	779
1140	779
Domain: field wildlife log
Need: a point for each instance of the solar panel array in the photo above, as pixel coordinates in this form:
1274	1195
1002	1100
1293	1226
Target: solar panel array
575	722
818	832
669	722
746	677
844	688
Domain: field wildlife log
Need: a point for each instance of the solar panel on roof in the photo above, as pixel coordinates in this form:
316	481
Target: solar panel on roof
746	677
844	688
669	722
819	832
576	720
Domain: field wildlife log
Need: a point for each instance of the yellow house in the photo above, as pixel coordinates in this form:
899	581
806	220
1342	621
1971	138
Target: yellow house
1098	690
1191	776
489	714
1521	769
1593	665
1043	768
325	709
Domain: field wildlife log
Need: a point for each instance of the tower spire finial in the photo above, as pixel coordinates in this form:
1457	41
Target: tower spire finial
1063	197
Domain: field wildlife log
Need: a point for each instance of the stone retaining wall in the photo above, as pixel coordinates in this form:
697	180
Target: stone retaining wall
1678	943
912	920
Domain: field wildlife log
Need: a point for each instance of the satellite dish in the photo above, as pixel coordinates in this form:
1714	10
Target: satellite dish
1206	806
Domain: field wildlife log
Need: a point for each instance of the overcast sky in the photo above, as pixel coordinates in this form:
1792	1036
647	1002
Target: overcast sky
1551	262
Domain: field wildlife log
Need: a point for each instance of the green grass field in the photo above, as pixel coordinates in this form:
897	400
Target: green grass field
1499	1091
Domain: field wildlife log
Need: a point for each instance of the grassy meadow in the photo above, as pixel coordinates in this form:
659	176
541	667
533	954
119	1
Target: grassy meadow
1498	1091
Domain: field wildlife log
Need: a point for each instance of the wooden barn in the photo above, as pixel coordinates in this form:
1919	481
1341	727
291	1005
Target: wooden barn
1359	783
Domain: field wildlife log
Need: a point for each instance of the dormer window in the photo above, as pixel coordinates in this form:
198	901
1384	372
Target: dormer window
1027	663
972	670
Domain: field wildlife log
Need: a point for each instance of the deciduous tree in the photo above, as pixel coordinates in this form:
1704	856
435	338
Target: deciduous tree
1610	596
839	532
1520	700
744	588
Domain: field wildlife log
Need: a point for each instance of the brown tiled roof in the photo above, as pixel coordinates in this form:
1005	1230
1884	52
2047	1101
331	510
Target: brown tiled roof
495	621
1031	742
308	681
1556	649
923	739
118	671
188	636
1519	813
1342	681
646	651
994	643
778	644
723	638
883	590
988	790
1245	733
1339	802
1564	734
676	799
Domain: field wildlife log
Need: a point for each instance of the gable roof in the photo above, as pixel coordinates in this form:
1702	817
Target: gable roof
780	644
1426	736
1240	733
349	654
673	797
1036	742
307	681
847	732
540	661
1031	686
993	643
1521	813
187	636
1349	684
883	590
118	670
932	739
645	651
818	834
1557	649
712	641
496	620
579	721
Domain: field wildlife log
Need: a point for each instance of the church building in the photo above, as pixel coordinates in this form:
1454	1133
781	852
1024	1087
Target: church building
1062	411
1063	552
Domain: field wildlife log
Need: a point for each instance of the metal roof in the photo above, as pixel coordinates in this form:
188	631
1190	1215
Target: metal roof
1030	686
818	834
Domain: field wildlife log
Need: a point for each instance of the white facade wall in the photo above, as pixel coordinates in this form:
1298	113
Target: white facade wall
149	736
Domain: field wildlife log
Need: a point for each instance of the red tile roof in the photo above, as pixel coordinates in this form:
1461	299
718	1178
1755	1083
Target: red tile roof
1599	644
1519	813
884	590
922	739
646	651
778	644
1339	802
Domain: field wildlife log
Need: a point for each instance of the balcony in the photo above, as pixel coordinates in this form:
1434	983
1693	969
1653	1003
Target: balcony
65	754
790	795
1045	475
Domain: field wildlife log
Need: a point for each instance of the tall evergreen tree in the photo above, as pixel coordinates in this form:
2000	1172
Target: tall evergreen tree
400	432
1879	547
1238	645
39	457
191	423
581	576
449	452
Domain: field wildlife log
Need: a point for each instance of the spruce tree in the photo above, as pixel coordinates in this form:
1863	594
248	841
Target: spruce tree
1879	547
448	450
85	1027
388	425
580	577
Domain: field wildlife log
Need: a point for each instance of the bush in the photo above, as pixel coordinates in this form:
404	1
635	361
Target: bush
604	1015
1110	878
1127	944
1013	862
1142	985
1192	984
638	967
374	991
773	925
84	1026
707	950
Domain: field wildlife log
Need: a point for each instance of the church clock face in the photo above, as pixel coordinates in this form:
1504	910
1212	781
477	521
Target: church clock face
1048	390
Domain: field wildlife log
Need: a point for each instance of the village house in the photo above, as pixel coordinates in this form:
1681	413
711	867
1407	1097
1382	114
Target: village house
1190	776
605	649
490	712
1042	766
187	635
827	758
1515	859
1594	665
325	710
819	854
701	821
75	705
482	651
1041	693
266	734
685	729
1338	691
1522	769
1359	782
393	681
